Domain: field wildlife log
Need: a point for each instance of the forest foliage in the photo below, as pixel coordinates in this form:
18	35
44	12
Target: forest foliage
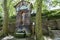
43	8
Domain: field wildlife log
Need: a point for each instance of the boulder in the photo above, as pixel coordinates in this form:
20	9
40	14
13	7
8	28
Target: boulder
8	38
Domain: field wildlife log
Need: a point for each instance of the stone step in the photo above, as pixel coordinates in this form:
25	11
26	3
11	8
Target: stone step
24	38
56	33
21	39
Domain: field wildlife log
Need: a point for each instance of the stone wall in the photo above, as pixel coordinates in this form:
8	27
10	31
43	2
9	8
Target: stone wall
54	24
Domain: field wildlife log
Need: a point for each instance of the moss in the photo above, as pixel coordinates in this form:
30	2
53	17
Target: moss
51	34
27	35
1	34
18	35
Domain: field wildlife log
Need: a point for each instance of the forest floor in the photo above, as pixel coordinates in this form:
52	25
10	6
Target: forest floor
56	33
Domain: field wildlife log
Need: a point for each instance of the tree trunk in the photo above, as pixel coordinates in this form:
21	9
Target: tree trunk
5	18
39	35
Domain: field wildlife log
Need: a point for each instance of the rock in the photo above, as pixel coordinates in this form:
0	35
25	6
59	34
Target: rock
8	38
47	38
